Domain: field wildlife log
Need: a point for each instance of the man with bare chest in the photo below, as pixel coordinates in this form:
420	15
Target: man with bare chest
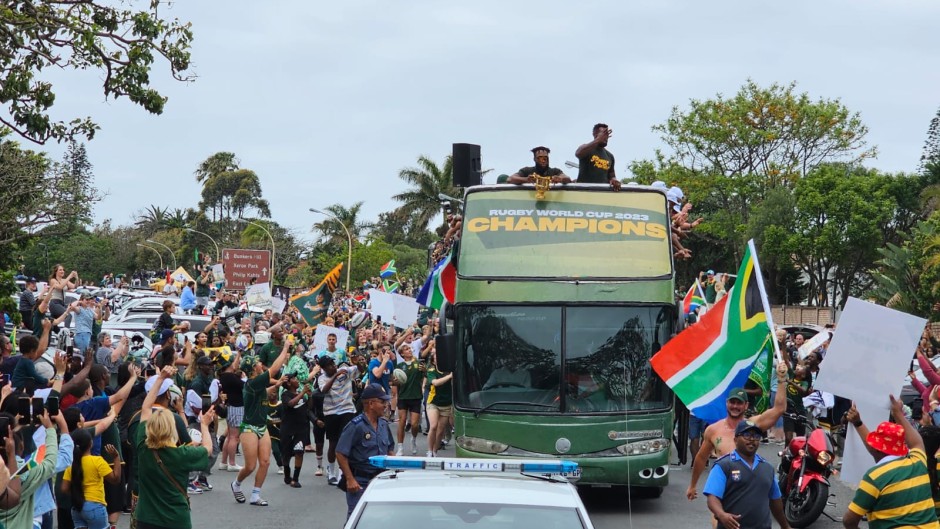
719	437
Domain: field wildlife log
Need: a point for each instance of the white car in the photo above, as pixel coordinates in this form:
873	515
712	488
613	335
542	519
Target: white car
473	493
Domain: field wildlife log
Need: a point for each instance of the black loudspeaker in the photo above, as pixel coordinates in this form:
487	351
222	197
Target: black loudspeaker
466	165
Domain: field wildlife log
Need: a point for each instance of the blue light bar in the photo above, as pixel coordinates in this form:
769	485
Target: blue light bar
469	465
554	467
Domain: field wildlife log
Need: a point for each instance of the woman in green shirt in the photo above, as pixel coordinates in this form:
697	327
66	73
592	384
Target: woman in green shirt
163	503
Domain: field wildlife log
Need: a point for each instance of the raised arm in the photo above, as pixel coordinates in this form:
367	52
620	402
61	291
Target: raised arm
928	369
911	435
280	360
125	391
767	419
82	373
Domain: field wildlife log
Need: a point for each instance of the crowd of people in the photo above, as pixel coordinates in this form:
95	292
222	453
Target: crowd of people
140	431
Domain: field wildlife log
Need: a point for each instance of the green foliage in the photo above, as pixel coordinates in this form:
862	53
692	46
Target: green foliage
7	289
40	196
905	279
398	227
428	180
340	226
120	42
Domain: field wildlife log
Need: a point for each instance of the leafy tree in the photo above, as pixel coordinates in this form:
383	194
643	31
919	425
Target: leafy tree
837	229
907	274
428	180
151	220
398	227
120	42
39	196
332	229
229	191
288	248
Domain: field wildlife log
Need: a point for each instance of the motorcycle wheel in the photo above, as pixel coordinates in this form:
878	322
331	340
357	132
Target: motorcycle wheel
802	509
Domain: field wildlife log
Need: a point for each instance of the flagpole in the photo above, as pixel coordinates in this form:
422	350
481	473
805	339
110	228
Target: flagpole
763	299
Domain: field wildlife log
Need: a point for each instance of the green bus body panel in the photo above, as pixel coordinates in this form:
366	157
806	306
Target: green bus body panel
538	434
470	290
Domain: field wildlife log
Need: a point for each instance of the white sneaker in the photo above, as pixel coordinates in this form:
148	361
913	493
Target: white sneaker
234	468
430	454
414	446
280	470
223	466
399	449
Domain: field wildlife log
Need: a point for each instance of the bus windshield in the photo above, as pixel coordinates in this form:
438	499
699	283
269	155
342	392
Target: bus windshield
571	234
569	359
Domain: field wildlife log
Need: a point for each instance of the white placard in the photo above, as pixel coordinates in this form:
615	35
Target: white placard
813	343
218	275
258	296
323	331
866	361
278	305
395	309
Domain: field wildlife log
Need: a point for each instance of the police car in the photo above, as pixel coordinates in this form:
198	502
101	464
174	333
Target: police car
476	493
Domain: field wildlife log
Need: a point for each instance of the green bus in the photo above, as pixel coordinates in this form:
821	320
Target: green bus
559	305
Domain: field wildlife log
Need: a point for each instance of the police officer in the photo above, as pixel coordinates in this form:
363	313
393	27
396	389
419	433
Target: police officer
367	435
742	487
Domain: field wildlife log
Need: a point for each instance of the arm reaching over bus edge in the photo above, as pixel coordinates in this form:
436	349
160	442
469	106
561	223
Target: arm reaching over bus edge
767	419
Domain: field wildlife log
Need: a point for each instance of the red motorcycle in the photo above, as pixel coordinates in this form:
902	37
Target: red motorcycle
803	474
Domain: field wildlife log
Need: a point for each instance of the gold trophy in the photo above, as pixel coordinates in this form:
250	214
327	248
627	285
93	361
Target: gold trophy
542	183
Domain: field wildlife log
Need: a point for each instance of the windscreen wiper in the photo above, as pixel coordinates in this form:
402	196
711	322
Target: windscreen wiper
500	402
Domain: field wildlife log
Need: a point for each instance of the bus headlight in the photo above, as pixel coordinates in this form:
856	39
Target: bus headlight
483	446
649	446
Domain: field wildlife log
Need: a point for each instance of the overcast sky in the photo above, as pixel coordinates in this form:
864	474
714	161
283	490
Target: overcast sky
327	101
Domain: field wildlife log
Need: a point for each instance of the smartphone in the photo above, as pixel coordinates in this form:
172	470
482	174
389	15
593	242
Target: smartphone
24	410
5	427
37	409
378	319
206	403
4	380
52	404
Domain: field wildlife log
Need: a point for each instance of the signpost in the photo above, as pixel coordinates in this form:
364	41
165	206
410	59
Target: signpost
243	265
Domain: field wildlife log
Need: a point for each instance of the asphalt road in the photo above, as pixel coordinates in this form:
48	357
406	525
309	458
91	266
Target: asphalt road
318	505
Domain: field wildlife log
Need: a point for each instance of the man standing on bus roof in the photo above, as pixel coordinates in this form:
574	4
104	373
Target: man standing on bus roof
595	162
719	437
541	168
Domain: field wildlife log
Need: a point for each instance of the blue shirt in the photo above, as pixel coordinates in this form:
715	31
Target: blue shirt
84	320
715	485
93	409
359	441
187	299
384	379
45	499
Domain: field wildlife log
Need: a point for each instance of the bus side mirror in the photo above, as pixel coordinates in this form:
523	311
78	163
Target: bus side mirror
446	346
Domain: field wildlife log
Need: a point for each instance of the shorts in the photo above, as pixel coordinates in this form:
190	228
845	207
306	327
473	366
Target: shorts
442	411
412	405
235	415
789	425
696	427
260	431
294	442
319	433
335	425
202	301
114	495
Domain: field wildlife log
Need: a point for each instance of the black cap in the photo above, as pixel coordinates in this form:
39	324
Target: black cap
325	360
745	426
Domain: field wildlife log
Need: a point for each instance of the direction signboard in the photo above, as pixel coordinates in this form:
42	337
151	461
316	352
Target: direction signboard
243	265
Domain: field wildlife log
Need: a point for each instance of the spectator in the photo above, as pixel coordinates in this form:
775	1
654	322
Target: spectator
111	358
84	481
896	492
188	298
336	385
28	303
59	284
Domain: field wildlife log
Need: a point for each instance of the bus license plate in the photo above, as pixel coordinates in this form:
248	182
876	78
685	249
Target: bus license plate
571	476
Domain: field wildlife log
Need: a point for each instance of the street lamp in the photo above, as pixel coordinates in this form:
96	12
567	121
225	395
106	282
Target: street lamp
45	251
218	259
167	249
348	237
151	248
273	248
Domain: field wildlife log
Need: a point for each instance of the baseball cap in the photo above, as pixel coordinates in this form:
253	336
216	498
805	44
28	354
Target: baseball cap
375	391
325	360
164	336
204	361
746	426
86	295
738	393
248	362
889	439
163	387
710	273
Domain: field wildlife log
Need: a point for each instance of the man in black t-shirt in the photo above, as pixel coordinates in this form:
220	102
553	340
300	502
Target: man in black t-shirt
541	168
595	162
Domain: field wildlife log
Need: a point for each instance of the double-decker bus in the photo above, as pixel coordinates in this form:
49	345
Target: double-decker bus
559	305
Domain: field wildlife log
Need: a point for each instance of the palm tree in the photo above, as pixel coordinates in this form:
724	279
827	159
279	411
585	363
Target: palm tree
331	229
421	202
218	163
176	219
152	220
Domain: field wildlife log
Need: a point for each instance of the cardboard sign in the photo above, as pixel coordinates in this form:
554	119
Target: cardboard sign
813	343
400	311
867	361
258	296
323	332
